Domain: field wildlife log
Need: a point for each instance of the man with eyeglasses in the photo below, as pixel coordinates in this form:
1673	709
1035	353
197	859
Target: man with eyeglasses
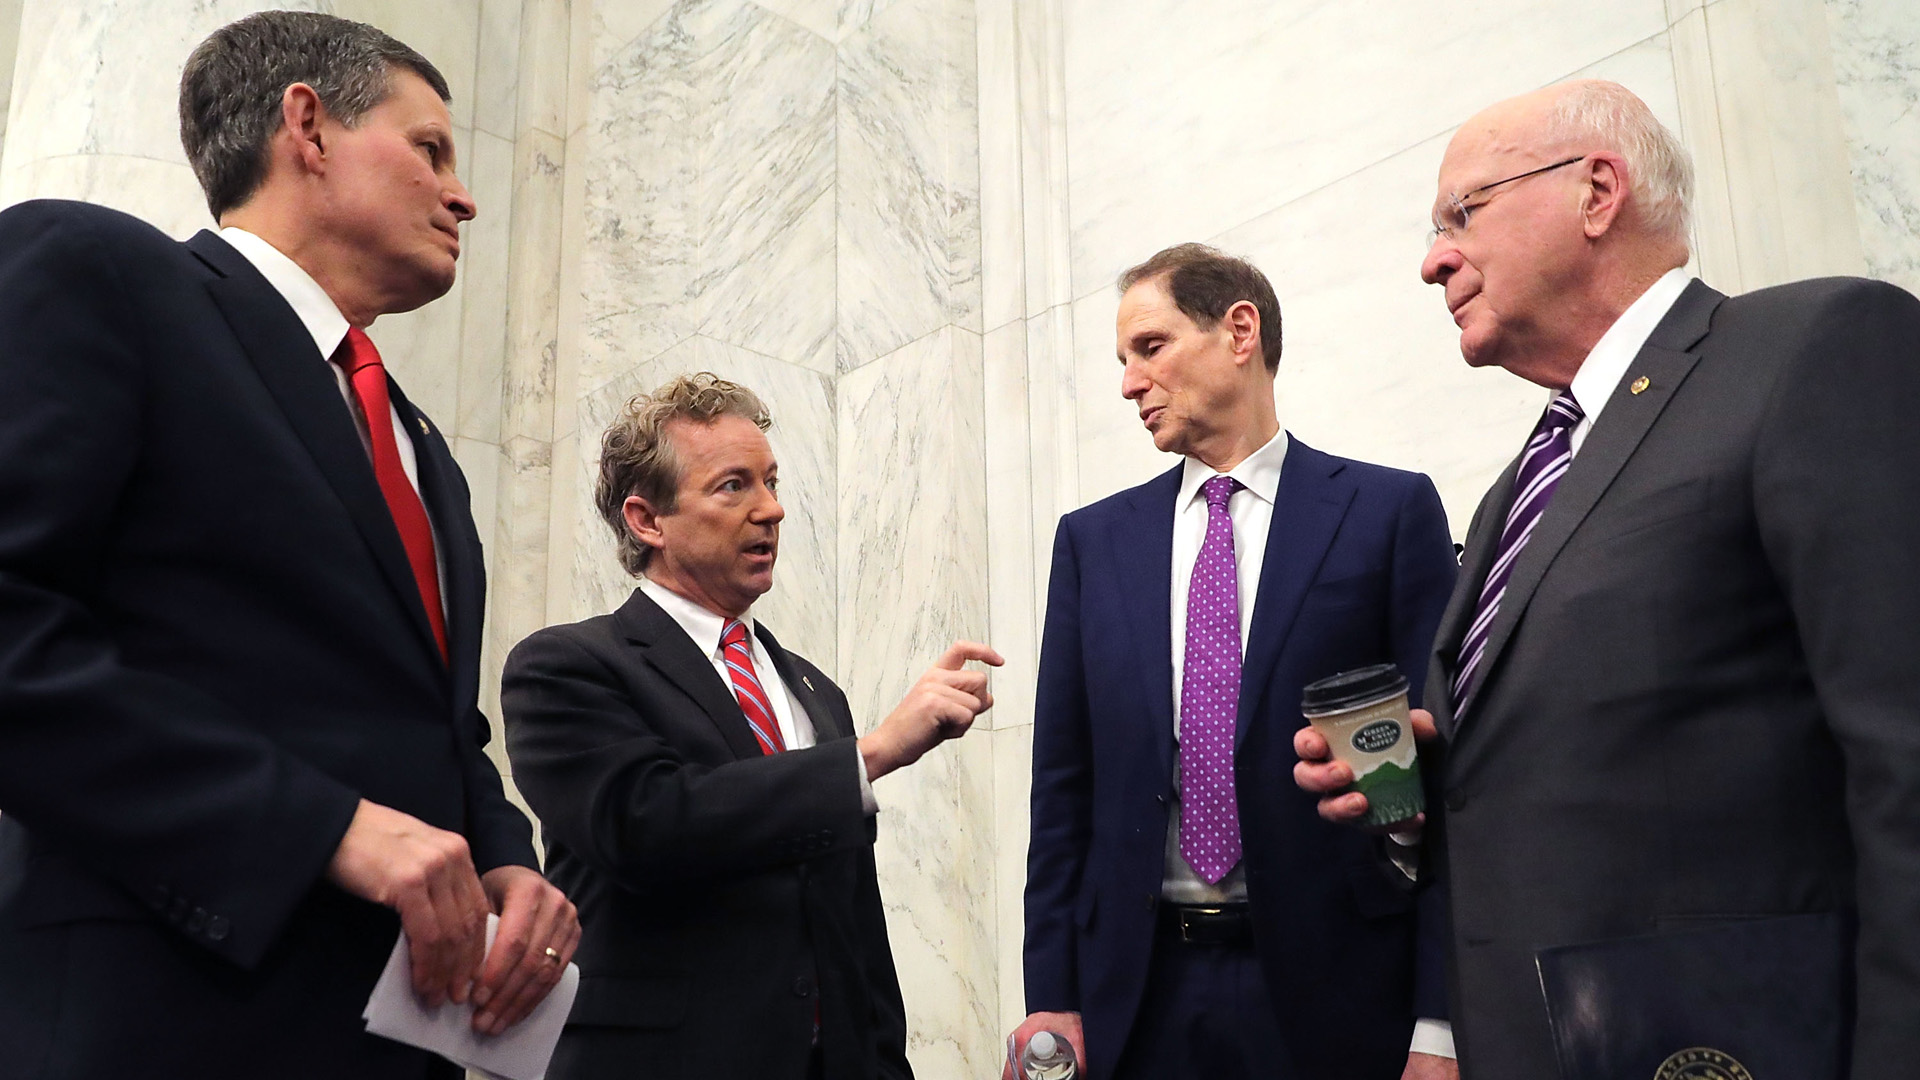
1672	689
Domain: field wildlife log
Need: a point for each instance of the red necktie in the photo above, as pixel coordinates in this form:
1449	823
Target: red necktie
747	688
368	378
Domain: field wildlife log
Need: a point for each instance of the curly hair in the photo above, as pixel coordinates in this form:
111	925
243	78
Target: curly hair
637	457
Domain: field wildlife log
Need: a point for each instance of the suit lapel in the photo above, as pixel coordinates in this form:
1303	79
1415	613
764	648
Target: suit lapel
1143	553
296	374
463	578
666	647
1665	363
1482	542
1308	507
826	723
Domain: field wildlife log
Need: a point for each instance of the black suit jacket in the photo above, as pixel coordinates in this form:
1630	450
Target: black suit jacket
1698	703
727	897
211	648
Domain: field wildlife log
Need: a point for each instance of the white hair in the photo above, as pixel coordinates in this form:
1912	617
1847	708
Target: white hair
1659	171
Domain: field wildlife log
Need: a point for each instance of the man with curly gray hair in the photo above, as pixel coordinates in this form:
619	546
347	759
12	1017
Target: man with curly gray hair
702	792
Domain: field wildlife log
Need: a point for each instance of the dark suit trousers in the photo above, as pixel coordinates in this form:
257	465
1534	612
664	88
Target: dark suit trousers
1206	1016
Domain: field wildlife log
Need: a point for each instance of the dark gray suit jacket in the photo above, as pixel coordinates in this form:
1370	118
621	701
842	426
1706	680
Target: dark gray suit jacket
1699	700
727	897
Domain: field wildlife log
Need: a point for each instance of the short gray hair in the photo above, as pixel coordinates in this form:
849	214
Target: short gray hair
231	89
1659	171
637	458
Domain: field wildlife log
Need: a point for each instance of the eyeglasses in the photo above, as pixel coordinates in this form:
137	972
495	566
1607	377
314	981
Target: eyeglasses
1453	218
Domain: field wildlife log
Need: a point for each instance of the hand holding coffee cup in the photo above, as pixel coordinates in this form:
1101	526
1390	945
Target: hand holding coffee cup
1359	752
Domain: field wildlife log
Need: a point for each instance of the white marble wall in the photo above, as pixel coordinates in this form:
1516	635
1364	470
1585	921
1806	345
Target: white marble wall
9	40
899	220
1876	64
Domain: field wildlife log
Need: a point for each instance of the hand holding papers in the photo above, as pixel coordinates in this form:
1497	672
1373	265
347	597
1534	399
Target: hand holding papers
519	1053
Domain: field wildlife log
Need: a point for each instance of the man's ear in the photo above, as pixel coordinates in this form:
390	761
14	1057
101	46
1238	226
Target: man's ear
643	522
1606	194
302	119
1243	323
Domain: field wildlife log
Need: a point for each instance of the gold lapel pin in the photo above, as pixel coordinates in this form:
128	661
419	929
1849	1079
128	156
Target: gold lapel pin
1640	384
809	683
425	430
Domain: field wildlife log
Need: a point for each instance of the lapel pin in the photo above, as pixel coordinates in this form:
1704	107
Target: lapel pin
809	683
425	430
1640	384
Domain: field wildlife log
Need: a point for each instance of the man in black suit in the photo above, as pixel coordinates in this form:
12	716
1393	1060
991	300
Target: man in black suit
702	795
240	602
1673	687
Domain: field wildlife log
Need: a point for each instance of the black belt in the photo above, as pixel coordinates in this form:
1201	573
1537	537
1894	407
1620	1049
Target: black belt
1208	924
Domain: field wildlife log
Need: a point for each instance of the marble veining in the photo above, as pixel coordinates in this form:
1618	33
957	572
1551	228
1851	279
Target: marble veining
709	190
1876	60
912	529
1182	135
908	179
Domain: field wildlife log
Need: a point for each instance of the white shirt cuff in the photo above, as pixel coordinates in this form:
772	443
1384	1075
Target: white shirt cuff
1432	1037
868	804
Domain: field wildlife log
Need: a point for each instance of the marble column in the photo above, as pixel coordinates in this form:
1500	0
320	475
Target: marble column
1876	65
9	40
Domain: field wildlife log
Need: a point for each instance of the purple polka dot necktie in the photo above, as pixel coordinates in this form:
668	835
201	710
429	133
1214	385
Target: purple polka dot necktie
1210	696
1546	459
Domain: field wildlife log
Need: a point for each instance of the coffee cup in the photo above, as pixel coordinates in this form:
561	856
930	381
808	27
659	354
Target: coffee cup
1363	716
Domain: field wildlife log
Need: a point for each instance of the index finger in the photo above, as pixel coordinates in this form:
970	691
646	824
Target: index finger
1310	744
962	651
510	943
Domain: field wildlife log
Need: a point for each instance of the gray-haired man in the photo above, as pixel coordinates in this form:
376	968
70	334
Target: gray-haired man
1673	687
240	596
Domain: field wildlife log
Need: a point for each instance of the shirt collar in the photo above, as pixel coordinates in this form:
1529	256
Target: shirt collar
317	311
703	626
1613	354
1258	473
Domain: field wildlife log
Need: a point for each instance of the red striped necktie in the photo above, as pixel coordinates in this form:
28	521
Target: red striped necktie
368	377
746	687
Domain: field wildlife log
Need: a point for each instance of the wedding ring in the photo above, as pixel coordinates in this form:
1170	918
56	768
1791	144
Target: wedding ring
553	954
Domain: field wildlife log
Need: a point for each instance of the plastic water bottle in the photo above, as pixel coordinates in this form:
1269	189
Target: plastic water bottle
1048	1057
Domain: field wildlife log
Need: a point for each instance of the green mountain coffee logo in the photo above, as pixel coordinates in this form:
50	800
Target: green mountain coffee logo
1377	736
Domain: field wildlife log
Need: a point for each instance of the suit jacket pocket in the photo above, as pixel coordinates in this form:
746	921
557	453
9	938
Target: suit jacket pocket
632	1001
1377	896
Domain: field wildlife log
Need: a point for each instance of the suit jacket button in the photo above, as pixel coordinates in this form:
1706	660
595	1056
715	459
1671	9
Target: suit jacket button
803	987
218	927
197	921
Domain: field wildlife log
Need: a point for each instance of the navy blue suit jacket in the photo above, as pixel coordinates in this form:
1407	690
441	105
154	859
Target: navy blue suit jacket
211	648
1358	568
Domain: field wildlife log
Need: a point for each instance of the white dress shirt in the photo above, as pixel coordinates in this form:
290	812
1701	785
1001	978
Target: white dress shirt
1613	354
706	629
322	318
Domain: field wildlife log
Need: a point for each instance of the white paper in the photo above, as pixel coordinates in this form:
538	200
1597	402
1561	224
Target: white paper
519	1053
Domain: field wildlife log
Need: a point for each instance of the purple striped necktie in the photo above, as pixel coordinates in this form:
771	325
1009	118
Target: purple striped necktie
1548	454
747	689
1210	696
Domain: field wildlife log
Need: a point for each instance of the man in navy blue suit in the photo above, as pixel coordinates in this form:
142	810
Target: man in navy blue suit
1188	914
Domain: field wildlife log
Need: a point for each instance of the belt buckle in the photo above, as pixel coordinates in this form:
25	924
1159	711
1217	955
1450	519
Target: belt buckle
1189	920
